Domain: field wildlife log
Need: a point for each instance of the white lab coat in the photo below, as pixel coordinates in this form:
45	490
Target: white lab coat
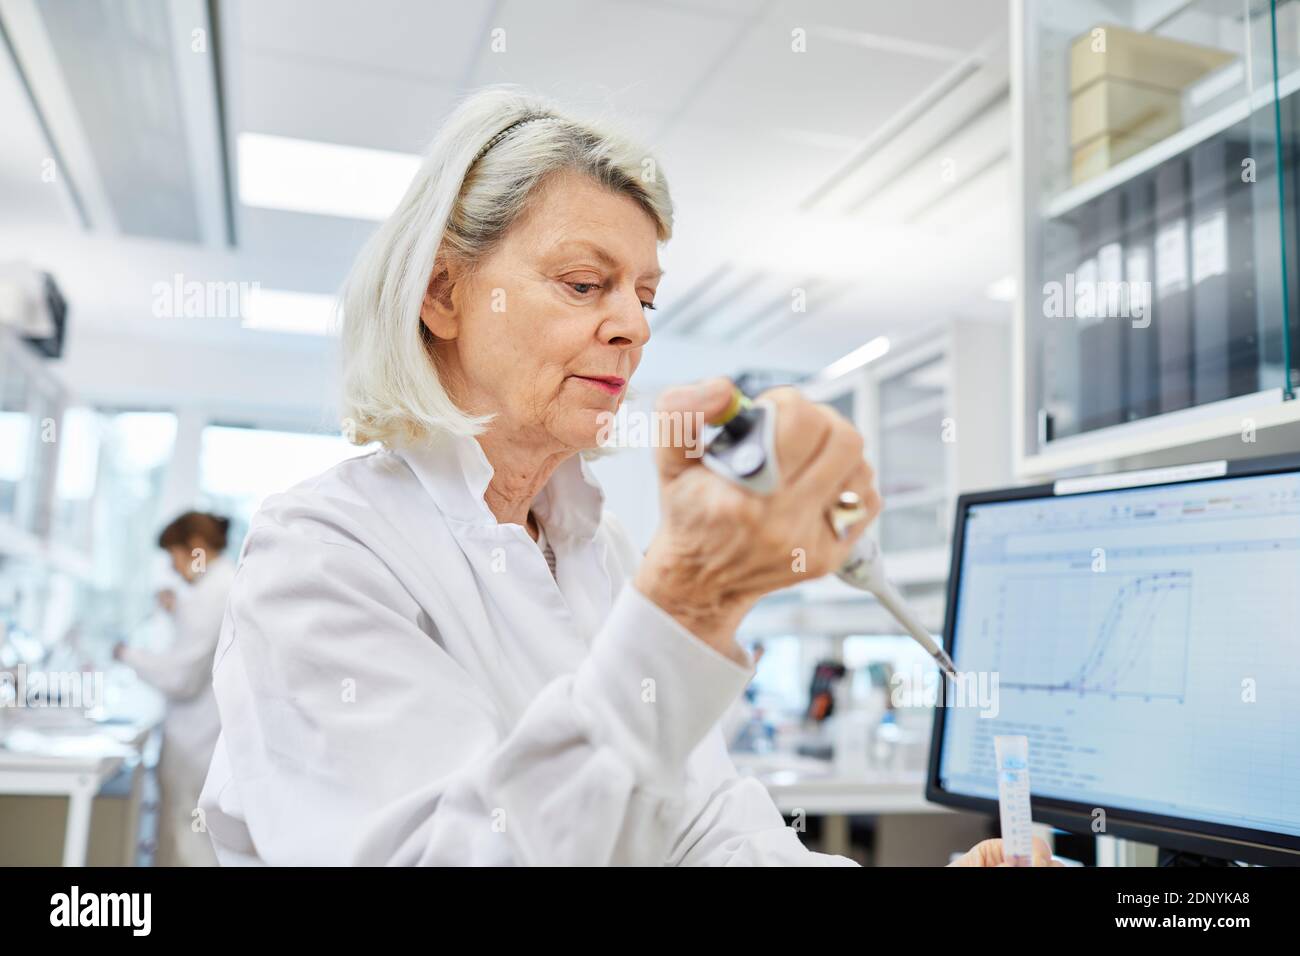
183	674
402	681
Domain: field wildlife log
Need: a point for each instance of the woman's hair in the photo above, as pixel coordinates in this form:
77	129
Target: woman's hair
210	529
477	178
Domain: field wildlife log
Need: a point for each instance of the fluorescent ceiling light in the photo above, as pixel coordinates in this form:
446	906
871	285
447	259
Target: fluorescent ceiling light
857	358
274	310
300	175
1004	290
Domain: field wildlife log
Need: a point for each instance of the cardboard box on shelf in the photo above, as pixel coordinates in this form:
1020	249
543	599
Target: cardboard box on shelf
1102	152
1126	93
1111	107
1124	54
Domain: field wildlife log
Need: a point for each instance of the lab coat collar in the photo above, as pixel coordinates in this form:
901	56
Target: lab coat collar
455	472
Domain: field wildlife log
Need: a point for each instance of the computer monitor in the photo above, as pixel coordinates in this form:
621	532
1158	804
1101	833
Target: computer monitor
1143	630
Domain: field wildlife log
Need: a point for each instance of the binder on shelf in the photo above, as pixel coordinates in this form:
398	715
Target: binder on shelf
1102	383
1288	255
1141	367
1271	258
1059	353
1227	359
1172	306
1074	385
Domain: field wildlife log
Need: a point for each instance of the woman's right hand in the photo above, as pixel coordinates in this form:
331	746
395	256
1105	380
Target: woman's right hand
720	547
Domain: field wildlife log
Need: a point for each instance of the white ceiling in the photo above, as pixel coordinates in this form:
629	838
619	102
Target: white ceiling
746	130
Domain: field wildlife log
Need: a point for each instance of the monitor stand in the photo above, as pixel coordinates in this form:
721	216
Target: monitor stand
1178	858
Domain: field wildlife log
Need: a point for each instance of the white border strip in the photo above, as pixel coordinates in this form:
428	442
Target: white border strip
1134	479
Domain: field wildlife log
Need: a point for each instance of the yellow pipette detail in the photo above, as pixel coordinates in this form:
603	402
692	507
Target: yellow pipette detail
739	402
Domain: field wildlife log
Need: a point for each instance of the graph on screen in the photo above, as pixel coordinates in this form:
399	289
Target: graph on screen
1128	633
1144	641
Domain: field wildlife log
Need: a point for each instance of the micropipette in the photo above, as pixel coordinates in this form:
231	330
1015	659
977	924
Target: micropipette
744	451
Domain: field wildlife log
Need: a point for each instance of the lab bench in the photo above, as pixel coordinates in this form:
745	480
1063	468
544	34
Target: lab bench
910	829
96	767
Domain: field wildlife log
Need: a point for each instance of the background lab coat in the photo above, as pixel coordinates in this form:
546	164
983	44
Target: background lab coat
183	674
401	681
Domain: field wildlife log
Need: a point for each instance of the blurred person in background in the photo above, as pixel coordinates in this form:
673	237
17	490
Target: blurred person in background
196	543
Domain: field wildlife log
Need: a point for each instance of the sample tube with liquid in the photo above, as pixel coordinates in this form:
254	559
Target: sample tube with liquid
1013	799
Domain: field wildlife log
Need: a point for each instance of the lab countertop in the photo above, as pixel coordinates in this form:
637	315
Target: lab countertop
62	752
816	787
53	739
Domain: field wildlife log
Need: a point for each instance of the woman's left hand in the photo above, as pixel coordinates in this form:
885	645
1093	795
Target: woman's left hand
989	853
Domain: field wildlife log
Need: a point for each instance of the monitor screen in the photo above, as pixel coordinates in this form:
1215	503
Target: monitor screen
1147	642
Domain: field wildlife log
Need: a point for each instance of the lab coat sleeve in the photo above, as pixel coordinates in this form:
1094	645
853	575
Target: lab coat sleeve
183	670
179	673
738	824
353	737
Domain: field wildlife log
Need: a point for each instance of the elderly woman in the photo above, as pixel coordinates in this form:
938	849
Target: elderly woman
447	652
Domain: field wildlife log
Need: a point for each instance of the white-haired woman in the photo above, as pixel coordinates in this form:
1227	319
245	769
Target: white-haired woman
447	652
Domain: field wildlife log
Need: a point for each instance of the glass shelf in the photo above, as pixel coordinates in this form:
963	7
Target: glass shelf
15	439
1159	144
913	463
30	405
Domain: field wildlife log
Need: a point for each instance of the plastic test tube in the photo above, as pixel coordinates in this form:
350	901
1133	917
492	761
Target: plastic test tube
1013	799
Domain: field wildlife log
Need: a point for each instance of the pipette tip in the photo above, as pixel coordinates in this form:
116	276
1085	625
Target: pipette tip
945	663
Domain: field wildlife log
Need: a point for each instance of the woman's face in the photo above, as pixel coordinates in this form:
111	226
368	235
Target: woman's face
183	559
549	328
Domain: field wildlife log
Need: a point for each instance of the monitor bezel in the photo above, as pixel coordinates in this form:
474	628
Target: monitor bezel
1175	833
